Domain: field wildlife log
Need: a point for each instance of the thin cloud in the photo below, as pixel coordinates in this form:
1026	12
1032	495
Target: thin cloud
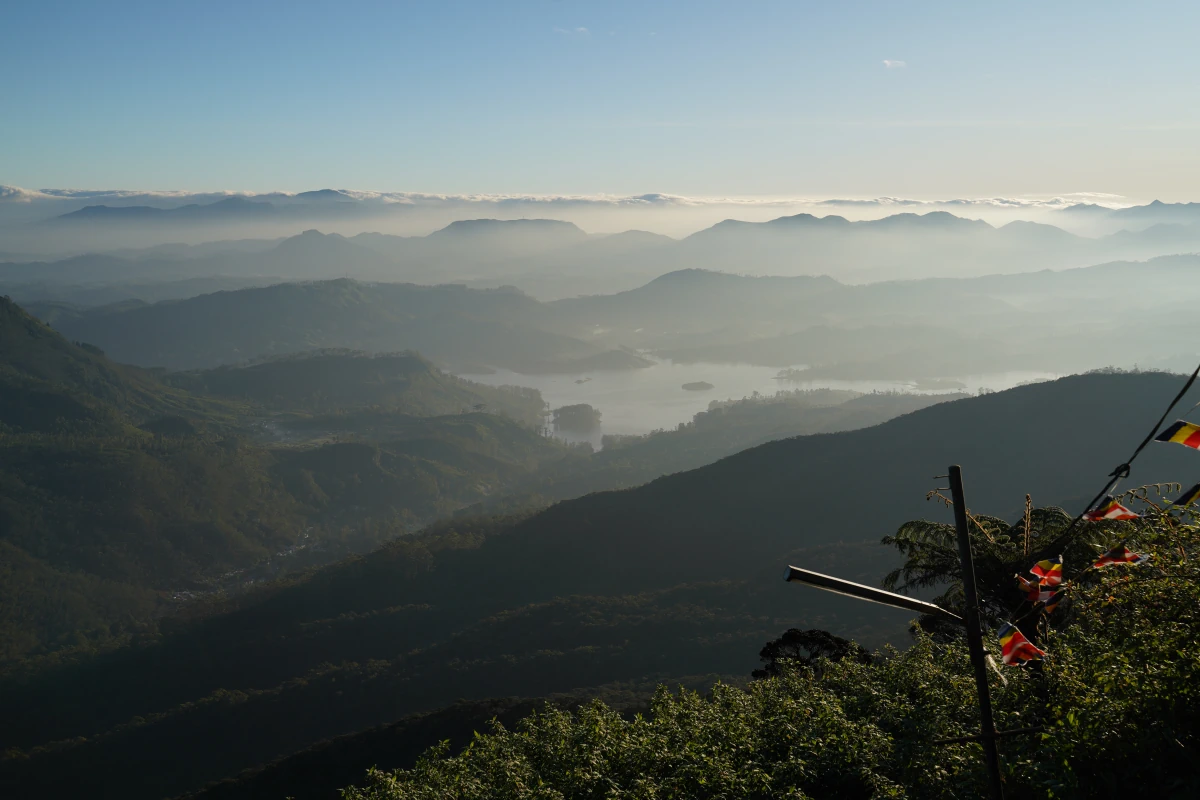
891	64
652	199
573	31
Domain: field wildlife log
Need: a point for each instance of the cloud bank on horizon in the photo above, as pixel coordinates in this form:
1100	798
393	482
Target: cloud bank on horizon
352	211
170	198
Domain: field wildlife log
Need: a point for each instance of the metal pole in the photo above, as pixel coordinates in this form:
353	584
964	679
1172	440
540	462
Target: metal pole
975	636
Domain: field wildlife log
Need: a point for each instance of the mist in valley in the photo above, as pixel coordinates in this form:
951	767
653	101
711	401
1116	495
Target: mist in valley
407	369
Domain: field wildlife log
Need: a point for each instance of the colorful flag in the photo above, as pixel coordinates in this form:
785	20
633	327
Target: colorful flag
1051	601
1188	497
1015	649
1026	586
1184	433
1119	555
1036	593
1110	509
1049	572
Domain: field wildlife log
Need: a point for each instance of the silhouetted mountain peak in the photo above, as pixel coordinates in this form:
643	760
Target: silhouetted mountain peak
324	195
934	219
1023	228
1086	208
797	220
314	244
103	211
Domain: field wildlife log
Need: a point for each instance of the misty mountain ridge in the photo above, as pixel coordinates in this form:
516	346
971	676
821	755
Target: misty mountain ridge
450	324
693	315
231	207
553	258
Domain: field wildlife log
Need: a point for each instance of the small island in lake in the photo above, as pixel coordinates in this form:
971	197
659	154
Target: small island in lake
579	418
697	386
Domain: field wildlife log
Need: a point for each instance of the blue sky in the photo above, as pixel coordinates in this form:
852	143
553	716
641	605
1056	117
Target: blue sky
703	98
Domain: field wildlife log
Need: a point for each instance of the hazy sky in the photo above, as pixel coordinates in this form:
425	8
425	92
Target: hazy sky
703	98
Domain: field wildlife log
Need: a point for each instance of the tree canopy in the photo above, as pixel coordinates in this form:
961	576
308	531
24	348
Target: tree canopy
1116	696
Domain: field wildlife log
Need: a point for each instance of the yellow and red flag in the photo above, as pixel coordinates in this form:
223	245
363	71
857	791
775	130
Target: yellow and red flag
1049	571
1188	497
1110	509
1180	432
1015	649
1036	593
1120	555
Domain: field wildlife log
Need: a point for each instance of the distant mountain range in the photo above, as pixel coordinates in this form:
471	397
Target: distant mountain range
453	325
1138	217
1049	321
551	259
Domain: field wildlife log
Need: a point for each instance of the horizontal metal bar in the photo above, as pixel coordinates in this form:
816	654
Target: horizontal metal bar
869	593
998	734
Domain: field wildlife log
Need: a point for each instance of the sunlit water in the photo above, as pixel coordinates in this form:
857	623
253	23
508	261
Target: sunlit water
643	400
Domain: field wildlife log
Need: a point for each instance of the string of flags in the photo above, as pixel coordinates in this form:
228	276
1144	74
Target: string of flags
1046	588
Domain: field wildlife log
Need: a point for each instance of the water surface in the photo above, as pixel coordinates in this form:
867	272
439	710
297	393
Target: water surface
643	400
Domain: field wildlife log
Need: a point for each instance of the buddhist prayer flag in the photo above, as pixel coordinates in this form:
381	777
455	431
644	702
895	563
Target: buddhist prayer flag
1119	555
1049	572
1036	593
1015	649
1184	433
1110	509
1026	585
1188	497
1051	601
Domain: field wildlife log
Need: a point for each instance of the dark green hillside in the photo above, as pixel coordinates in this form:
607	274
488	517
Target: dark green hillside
560	646
675	577
479	433
726	428
424	468
1109	712
49	384
449	324
325	381
734	515
121	495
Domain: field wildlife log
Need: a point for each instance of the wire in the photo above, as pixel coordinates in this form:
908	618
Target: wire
1122	471
1116	476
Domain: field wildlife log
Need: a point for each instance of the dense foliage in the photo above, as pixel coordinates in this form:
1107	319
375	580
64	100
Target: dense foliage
1117	698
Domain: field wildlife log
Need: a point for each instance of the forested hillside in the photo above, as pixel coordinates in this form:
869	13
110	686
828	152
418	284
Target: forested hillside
123	492
450	324
1112	706
676	577
344	380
